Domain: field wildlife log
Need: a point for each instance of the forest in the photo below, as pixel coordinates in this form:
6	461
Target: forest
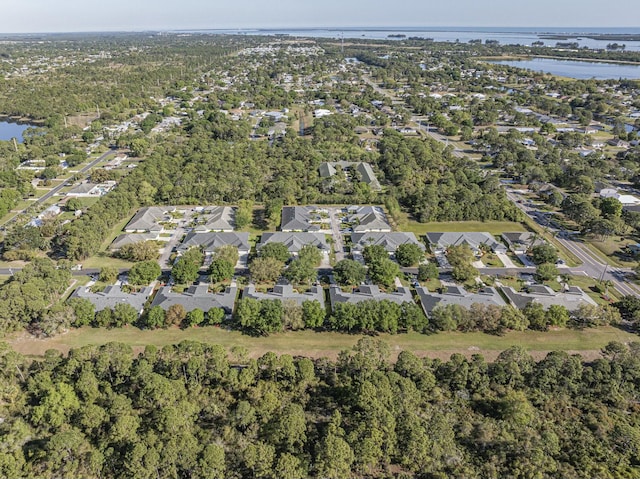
197	410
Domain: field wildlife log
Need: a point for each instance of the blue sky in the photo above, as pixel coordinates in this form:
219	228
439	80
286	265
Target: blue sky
130	15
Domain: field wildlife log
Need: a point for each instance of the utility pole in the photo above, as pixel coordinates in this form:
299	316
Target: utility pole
604	271
15	144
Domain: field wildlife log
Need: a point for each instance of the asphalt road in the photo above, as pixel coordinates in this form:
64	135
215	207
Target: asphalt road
591	265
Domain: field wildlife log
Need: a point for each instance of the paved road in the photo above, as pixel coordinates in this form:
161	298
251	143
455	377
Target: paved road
81	173
591	265
437	136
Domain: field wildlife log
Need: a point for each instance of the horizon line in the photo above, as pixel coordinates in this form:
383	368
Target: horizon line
533	29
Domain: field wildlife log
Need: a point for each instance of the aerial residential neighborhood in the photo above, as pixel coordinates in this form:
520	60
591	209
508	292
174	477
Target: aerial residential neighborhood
236	243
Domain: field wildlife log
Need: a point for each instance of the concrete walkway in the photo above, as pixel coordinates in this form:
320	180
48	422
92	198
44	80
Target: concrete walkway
506	261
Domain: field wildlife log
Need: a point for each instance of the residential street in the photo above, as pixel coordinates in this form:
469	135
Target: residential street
81	175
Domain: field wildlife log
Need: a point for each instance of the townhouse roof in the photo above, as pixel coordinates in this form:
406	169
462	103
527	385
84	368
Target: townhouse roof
285	292
473	240
211	241
112	296
390	241
197	296
367	292
298	218
147	219
457	295
571	298
217	218
294	241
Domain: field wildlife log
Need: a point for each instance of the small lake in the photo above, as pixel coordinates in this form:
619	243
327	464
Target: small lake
10	130
577	69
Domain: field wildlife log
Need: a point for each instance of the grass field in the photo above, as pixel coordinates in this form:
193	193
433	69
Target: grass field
103	259
606	250
312	344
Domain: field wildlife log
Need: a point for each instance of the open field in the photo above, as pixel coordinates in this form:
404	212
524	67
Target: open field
609	249
103	259
312	344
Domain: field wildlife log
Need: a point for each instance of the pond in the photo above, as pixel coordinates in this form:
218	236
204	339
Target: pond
577	69
10	130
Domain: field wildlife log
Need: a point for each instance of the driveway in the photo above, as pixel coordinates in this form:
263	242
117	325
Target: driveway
338	242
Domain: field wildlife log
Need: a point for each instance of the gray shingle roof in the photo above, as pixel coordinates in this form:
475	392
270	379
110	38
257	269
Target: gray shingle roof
326	170
146	219
390	241
457	295
369	292
131	238
81	189
113	295
284	292
519	240
217	218
298	218
368	176
294	241
570	299
474	240
368	218
209	242
197	297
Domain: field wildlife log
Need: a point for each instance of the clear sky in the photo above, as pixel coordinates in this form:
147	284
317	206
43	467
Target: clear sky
24	16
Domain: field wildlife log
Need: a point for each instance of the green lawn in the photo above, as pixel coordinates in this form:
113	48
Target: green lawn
605	250
104	259
312	344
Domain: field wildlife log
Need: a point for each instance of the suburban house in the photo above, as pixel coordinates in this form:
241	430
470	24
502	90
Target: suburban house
51	212
197	296
571	299
367	292
295	241
113	295
521	242
626	200
368	176
364	170
441	241
457	295
216	218
148	219
366	219
285	292
210	242
389	241
301	218
327	170
88	190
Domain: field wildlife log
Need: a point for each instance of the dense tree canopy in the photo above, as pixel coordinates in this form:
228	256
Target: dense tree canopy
195	410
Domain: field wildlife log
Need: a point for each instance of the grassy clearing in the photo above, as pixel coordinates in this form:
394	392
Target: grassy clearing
492	227
312	344
103	259
608	250
594	289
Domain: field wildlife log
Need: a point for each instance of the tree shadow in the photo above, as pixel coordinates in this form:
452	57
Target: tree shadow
259	219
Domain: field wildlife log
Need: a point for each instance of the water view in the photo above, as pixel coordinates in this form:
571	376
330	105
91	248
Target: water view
505	36
10	130
577	69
